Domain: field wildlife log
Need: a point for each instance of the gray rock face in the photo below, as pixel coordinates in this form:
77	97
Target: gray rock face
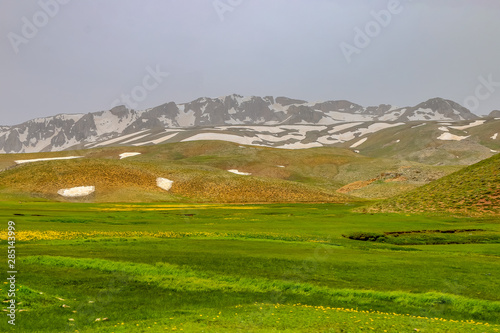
64	131
301	114
344	106
285	101
85	127
154	118
12	142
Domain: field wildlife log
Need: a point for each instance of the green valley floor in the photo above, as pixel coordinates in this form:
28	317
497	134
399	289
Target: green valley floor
248	268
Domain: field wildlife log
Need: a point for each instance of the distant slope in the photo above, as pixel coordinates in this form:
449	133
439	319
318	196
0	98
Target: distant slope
428	142
436	143
474	190
199	170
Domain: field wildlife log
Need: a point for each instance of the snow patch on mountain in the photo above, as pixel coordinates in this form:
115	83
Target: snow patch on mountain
112	141
136	138
359	143
103	128
222	137
156	141
451	137
342	127
473	124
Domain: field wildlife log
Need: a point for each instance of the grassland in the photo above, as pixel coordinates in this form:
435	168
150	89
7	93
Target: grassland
252	268
136	181
474	190
199	172
209	256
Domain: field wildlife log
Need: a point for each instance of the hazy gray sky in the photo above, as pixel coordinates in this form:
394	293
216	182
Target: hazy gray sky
61	56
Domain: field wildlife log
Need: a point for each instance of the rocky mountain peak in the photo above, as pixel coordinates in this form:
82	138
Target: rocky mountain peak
447	109
68	130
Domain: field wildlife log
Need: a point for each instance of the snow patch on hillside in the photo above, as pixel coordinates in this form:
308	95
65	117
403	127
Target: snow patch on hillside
451	137
239	172
75	192
359	143
46	159
473	124
164	183
125	155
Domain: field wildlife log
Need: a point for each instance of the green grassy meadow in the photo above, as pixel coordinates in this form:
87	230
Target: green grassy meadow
156	267
474	190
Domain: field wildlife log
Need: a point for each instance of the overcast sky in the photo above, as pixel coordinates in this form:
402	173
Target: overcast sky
85	56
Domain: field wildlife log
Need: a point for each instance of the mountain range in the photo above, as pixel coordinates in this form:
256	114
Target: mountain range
121	125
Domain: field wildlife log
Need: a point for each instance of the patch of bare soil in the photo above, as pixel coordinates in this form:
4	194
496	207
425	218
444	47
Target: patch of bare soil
404	174
355	186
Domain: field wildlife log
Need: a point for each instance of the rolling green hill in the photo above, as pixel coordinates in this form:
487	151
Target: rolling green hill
474	190
199	170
